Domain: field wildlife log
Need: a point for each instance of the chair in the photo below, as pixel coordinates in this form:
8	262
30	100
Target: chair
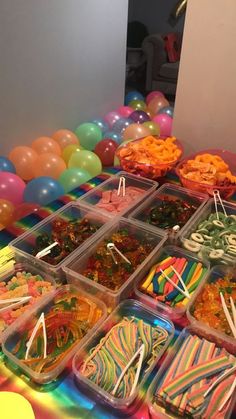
161	74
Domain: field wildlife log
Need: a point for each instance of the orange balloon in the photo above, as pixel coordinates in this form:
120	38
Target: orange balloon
24	159
135	131
46	145
6	212
65	137
156	104
48	164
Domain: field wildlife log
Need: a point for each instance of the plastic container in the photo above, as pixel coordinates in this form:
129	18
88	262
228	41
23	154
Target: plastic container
171	312
24	245
159	411
126	308
218	336
191	227
94	196
173	193
144	169
76	265
28	320
225	191
7	276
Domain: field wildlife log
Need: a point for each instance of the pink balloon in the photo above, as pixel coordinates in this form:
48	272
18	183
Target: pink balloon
111	118
165	123
125	111
153	94
11	187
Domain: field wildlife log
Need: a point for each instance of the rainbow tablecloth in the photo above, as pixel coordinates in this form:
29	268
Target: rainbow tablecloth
64	400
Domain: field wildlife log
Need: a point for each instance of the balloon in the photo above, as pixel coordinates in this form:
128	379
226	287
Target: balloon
156	104
125	111
105	150
11	187
151	95
24	159
101	124
69	150
111	118
43	190
139	117
6	165
24	209
165	123
6	212
49	164
135	131
64	137
46	145
169	110
120	125
89	135
134	95
138	105
153	127
111	135
72	178
86	160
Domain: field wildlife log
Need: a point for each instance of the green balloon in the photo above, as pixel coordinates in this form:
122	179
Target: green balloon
153	127
72	178
138	105
86	160
89	135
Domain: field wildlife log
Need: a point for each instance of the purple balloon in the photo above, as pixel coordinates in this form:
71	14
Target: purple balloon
111	118
139	117
120	125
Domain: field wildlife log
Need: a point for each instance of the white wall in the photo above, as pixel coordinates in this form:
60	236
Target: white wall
206	93
155	14
62	63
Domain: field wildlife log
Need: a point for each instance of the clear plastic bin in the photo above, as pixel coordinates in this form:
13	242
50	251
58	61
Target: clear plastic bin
28	320
172	312
127	308
24	245
158	411
191	227
218	336
95	195
75	266
173	193
6	277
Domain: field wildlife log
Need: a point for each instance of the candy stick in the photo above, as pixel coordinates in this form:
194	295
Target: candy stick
218	381
46	251
41	321
179	266
175	286
149	278
140	352
121	185
216	399
230	393
16	302
181	281
227	315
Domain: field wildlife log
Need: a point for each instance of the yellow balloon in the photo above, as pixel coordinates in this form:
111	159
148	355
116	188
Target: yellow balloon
69	150
13	405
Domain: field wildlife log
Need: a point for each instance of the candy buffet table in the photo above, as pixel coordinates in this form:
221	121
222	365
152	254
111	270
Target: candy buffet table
64	400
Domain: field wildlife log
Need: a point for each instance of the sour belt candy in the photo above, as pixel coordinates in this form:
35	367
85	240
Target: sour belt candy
108	359
112	202
197	365
157	286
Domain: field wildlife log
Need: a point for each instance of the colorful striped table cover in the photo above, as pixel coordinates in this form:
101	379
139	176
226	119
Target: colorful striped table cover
64	400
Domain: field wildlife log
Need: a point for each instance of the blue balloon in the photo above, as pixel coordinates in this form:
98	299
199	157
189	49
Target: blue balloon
135	95
101	124
43	190
169	110
120	125
113	136
6	165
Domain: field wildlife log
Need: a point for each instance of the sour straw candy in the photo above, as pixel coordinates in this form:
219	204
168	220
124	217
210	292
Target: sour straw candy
67	321
197	365
22	284
157	286
109	358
